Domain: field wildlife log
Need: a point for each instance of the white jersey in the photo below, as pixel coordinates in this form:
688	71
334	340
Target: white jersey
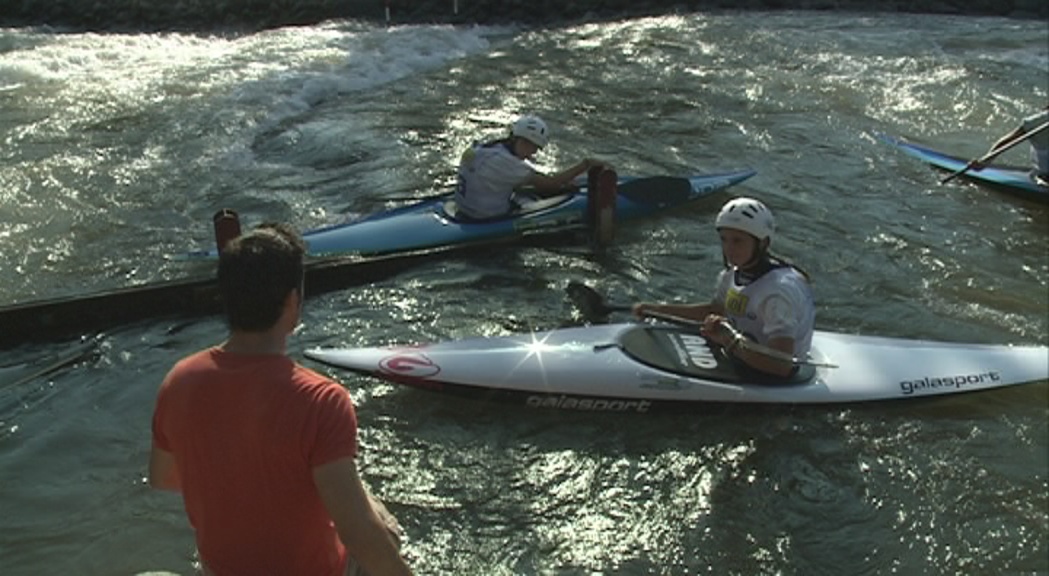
1039	142
779	304
488	175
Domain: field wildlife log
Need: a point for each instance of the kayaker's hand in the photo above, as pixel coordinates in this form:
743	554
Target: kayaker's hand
717	329
640	309
589	163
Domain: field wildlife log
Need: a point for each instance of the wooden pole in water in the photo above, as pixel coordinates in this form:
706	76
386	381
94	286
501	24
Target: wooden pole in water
601	205
227	227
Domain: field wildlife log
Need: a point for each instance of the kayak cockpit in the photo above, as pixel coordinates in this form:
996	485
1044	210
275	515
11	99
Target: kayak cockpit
523	206
689	354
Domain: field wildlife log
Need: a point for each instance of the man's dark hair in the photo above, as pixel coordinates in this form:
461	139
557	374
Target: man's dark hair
257	271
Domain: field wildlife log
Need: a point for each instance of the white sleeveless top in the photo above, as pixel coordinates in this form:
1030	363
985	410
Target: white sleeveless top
487	178
777	305
1039	142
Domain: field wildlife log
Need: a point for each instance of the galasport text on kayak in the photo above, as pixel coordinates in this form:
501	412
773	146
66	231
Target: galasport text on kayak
912	386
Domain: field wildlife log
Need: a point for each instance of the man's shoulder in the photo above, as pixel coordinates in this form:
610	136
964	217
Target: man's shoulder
198	357
317	386
184	368
310	376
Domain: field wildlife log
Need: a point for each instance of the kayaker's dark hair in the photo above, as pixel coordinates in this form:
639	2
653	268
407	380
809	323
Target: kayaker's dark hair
257	271
786	262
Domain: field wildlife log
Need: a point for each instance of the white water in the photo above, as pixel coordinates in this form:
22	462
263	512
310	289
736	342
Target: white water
116	150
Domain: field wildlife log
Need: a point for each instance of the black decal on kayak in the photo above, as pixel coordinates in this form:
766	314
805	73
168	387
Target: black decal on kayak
698	352
909	387
587	404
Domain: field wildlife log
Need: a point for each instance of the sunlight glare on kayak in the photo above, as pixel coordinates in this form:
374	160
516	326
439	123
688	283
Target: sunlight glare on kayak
535	348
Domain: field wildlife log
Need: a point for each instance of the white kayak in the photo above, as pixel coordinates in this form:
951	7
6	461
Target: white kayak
637	367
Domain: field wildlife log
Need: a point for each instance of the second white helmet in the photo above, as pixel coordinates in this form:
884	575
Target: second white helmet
531	128
748	215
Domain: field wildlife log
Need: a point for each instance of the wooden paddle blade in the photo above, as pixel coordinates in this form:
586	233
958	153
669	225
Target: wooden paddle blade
657	189
590	303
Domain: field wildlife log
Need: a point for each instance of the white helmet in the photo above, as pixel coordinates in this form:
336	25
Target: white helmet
531	128
748	215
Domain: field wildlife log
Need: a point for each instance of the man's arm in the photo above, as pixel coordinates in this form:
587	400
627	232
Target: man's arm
361	530
163	470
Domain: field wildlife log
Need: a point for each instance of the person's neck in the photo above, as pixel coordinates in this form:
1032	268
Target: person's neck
511	146
255	343
754	269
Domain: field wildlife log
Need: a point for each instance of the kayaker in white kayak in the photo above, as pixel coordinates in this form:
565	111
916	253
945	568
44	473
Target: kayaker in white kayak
490	172
1039	144
759	298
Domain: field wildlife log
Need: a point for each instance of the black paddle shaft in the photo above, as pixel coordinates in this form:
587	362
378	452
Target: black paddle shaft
593	306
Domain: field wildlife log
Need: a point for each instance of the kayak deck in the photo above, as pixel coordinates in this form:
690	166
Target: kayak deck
640	366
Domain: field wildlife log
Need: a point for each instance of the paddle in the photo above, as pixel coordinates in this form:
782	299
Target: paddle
992	154
79	351
593	307
656	189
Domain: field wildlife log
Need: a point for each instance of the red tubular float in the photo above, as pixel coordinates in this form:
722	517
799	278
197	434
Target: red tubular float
227	227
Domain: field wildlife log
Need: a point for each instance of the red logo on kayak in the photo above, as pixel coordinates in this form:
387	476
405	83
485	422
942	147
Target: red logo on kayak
409	365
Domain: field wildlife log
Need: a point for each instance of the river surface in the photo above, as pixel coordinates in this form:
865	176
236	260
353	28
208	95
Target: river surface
118	148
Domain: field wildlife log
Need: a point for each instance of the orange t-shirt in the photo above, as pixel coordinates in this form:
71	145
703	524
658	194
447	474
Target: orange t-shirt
246	432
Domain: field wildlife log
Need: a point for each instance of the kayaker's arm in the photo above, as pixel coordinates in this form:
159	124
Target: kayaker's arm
555	183
776	357
1003	144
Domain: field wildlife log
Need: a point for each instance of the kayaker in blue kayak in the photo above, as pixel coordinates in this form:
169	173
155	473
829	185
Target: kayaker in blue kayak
490	172
763	312
1033	130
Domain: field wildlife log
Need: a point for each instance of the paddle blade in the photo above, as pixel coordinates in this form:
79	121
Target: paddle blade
657	190
590	304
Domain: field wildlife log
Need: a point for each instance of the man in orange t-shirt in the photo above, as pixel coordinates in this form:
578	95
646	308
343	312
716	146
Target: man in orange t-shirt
261	448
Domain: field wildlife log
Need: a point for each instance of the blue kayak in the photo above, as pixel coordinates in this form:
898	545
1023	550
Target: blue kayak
432	224
1014	179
